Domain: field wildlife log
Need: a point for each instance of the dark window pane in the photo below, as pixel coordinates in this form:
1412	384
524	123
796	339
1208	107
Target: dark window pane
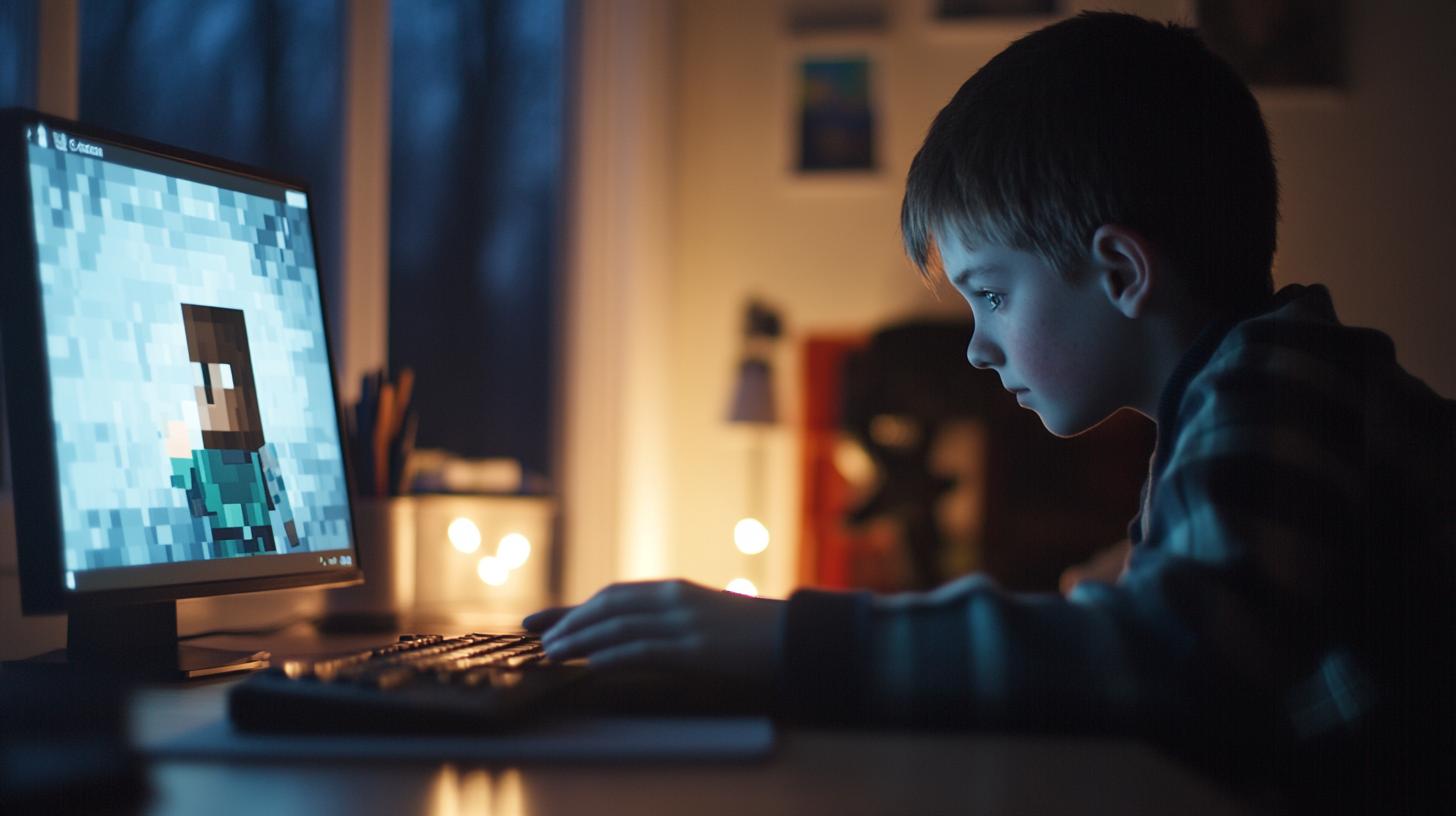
475	188
256	82
17	53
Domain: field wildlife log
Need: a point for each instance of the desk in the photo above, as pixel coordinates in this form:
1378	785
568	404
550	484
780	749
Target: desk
812	771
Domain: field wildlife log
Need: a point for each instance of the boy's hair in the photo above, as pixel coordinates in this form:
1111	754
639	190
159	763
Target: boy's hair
1104	118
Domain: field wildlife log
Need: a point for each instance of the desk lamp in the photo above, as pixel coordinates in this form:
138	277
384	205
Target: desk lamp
754	407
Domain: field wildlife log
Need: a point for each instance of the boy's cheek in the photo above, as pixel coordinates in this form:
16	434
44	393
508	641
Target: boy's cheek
1060	382
1037	367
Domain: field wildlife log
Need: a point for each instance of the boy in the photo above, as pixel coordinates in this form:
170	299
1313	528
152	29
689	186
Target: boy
1103	194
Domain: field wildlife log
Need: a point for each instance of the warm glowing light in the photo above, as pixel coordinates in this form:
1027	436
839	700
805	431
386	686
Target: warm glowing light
513	550
464	535
853	462
492	570
750	536
743	586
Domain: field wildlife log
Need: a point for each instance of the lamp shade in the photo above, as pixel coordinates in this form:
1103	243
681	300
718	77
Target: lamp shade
753	396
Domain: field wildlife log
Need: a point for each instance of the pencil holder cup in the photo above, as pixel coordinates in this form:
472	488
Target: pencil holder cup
384	536
482	554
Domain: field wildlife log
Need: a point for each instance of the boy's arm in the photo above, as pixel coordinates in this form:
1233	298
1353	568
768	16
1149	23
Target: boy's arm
969	653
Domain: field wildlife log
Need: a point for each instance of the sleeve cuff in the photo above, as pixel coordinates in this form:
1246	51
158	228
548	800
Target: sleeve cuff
825	636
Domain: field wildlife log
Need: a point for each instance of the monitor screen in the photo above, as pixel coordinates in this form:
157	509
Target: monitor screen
184	366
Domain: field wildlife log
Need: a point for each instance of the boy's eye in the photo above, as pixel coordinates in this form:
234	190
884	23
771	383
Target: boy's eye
995	299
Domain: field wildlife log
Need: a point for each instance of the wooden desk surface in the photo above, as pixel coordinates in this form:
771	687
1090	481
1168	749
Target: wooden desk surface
812	771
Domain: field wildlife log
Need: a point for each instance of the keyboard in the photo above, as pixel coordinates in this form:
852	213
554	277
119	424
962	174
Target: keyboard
419	684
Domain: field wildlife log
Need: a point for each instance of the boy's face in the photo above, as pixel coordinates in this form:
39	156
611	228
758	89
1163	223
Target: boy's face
1062	347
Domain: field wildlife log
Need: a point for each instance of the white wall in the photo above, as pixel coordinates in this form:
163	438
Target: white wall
1367	190
615	295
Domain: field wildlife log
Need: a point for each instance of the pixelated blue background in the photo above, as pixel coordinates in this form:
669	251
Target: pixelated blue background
119	250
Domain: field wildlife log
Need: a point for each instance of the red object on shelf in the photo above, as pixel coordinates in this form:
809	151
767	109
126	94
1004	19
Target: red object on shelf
827	547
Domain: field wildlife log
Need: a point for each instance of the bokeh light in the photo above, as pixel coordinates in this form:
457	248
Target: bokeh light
743	586
513	549
750	536
492	570
464	535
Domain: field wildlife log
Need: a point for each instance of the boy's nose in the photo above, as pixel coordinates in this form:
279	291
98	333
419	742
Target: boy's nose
981	355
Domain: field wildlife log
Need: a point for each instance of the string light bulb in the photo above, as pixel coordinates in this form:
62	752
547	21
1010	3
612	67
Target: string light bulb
513	549
464	535
750	536
492	570
742	586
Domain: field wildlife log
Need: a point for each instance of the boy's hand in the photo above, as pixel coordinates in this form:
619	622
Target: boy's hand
667	624
1106	566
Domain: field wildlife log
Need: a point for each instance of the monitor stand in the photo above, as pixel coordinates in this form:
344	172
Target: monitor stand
139	642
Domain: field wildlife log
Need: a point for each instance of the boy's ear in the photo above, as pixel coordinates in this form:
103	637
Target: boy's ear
1126	267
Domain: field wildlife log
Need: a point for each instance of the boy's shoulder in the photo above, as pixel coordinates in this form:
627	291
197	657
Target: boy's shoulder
1291	391
1299	328
1287	427
1296	354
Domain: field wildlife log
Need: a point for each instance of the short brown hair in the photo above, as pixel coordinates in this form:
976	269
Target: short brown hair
1104	118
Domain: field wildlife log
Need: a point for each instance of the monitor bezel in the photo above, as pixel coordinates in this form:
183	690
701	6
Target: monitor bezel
40	547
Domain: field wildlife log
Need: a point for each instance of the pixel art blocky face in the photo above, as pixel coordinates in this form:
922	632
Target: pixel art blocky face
227	399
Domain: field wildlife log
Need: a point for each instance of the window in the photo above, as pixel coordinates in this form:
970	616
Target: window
477	143
257	82
17	53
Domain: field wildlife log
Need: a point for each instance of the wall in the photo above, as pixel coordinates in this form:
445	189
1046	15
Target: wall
614	294
1366	197
1368	183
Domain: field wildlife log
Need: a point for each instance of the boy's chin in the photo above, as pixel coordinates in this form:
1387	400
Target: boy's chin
1066	425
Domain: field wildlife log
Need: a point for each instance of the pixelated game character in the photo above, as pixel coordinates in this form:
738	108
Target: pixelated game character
233	479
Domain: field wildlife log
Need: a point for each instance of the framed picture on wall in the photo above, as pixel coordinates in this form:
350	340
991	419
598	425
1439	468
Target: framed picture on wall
981	9
1285	44
829	16
833	112
984	19
836	114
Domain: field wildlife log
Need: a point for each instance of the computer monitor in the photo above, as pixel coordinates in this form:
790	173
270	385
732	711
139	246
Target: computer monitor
174	430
